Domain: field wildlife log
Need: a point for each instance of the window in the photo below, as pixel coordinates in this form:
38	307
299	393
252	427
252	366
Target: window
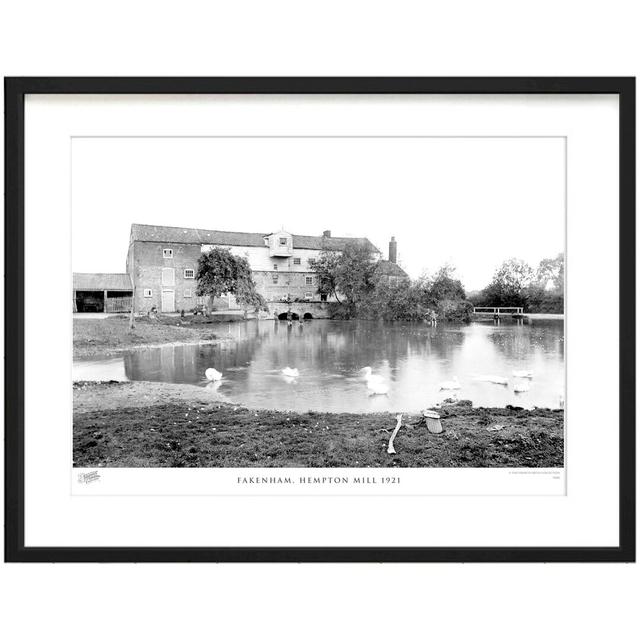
189	273
308	295
296	261
167	253
148	293
311	262
275	267
187	293
308	280
168	277
275	278
283	242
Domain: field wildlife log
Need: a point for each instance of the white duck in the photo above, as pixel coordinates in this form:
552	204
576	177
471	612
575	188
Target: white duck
377	387
450	385
290	373
522	374
521	386
494	379
213	374
371	377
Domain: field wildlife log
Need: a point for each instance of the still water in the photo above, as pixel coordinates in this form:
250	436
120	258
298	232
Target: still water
413	359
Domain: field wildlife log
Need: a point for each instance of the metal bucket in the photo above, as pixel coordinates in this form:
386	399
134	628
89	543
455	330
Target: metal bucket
433	421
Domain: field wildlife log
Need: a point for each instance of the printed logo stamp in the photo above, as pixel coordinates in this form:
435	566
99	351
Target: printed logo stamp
88	477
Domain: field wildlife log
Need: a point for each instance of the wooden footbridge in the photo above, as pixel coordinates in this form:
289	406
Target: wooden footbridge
499	312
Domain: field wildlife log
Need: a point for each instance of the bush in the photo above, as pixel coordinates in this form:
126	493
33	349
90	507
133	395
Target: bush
454	310
344	311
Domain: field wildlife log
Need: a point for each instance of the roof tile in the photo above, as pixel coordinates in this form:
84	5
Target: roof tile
156	233
387	268
102	281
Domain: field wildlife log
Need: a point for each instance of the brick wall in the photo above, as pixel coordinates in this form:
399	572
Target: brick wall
146	264
146	261
289	282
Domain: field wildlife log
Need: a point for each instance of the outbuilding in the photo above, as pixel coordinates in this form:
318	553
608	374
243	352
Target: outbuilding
102	293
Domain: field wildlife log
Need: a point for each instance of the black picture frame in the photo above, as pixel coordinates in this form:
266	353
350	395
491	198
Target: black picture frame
15	91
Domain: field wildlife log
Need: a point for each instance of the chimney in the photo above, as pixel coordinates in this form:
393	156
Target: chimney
393	250
327	233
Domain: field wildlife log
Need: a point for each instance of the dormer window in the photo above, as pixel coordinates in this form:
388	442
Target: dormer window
280	244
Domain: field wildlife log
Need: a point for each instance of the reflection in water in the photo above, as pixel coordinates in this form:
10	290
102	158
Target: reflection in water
414	360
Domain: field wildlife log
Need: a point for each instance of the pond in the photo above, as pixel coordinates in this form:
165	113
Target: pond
414	359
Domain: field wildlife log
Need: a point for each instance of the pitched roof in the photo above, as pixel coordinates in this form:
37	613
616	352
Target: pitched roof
387	268
102	281
155	233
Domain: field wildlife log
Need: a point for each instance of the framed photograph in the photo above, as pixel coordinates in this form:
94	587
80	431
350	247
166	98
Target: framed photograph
320	319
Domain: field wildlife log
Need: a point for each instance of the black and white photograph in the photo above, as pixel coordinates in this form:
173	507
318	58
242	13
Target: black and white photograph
320	320
318	301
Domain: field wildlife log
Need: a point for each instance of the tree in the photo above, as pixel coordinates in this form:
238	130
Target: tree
550	271
220	272
325	268
351	272
546	293
443	286
355	273
507	288
516	284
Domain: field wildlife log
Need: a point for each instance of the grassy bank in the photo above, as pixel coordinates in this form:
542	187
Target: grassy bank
101	337
143	424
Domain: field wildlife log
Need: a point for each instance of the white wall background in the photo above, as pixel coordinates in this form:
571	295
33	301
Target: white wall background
329	38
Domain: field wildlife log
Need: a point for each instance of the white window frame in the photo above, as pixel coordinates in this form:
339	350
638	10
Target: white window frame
274	278
275	267
147	293
308	280
167	253
297	261
192	276
187	293
308	295
282	241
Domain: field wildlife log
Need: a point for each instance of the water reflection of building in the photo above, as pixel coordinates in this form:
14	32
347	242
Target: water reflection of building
187	363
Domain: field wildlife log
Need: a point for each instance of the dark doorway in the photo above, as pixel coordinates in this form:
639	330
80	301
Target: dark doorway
90	301
307	316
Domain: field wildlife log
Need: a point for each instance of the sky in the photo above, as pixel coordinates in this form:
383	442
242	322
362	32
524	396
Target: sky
470	202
